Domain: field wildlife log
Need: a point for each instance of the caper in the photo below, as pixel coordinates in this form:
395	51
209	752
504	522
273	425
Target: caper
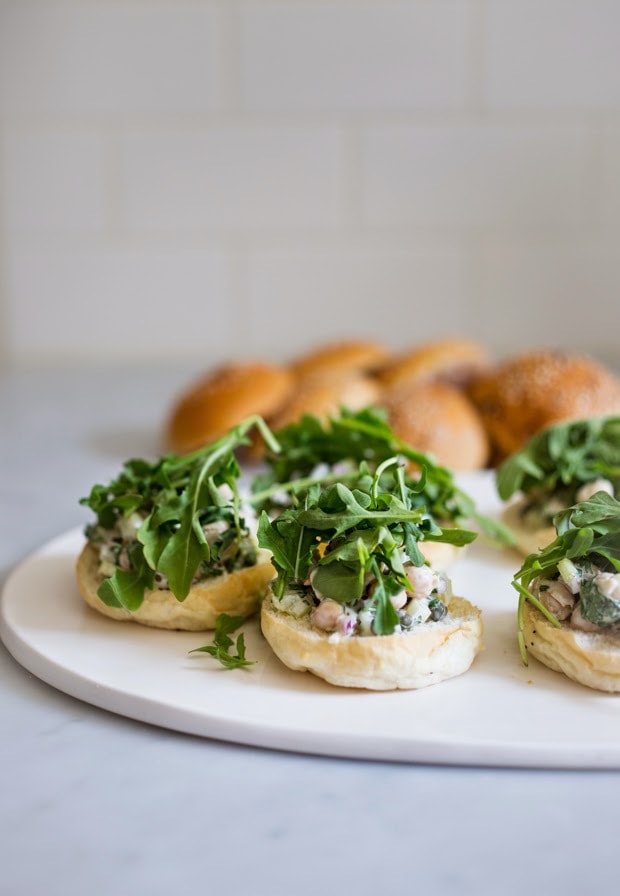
438	609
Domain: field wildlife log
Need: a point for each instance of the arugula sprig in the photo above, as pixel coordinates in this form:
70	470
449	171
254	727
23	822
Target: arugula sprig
176	496
588	531
225	625
347	440
564	456
343	533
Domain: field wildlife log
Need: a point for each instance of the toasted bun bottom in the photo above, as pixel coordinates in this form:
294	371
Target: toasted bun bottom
528	541
588	658
430	653
238	594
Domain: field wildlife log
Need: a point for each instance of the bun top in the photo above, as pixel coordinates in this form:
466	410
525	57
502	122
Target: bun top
223	398
339	358
440	420
450	360
325	397
527	392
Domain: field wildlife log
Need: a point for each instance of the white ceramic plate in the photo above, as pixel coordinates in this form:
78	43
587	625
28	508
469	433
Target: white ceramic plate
498	713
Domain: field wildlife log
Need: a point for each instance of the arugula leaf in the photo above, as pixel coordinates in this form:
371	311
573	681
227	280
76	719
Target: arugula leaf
225	625
339	581
347	440
125	588
386	617
569	453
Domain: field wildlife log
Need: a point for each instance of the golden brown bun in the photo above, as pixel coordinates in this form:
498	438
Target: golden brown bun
238	594
530	391
325	397
449	360
588	658
339	358
438	419
527	541
430	653
223	398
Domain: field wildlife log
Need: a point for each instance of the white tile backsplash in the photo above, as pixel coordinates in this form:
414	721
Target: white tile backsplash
233	178
559	294
120	304
60	59
54	182
607	189
466	177
336	292
553	54
200	178
354	57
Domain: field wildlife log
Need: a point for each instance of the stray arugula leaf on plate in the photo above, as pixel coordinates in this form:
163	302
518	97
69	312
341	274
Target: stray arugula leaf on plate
225	625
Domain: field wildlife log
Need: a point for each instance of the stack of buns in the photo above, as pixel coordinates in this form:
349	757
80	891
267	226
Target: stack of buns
446	397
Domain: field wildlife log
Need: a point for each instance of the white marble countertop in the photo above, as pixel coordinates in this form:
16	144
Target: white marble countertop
95	803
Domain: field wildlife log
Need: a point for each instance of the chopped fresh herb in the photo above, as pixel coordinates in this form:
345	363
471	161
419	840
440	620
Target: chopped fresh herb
225	625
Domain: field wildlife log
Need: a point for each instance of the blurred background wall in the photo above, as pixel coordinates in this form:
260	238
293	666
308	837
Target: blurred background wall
194	179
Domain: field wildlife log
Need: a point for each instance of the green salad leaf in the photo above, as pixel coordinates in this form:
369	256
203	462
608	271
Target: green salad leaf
339	445
588	532
564	456
225	625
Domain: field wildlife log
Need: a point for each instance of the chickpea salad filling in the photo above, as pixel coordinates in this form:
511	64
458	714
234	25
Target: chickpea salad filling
230	545
425	599
348	556
575	580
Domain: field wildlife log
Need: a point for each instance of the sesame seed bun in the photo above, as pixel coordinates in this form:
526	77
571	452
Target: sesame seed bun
322	398
527	392
589	658
440	420
325	397
237	593
224	397
430	653
336	359
449	360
